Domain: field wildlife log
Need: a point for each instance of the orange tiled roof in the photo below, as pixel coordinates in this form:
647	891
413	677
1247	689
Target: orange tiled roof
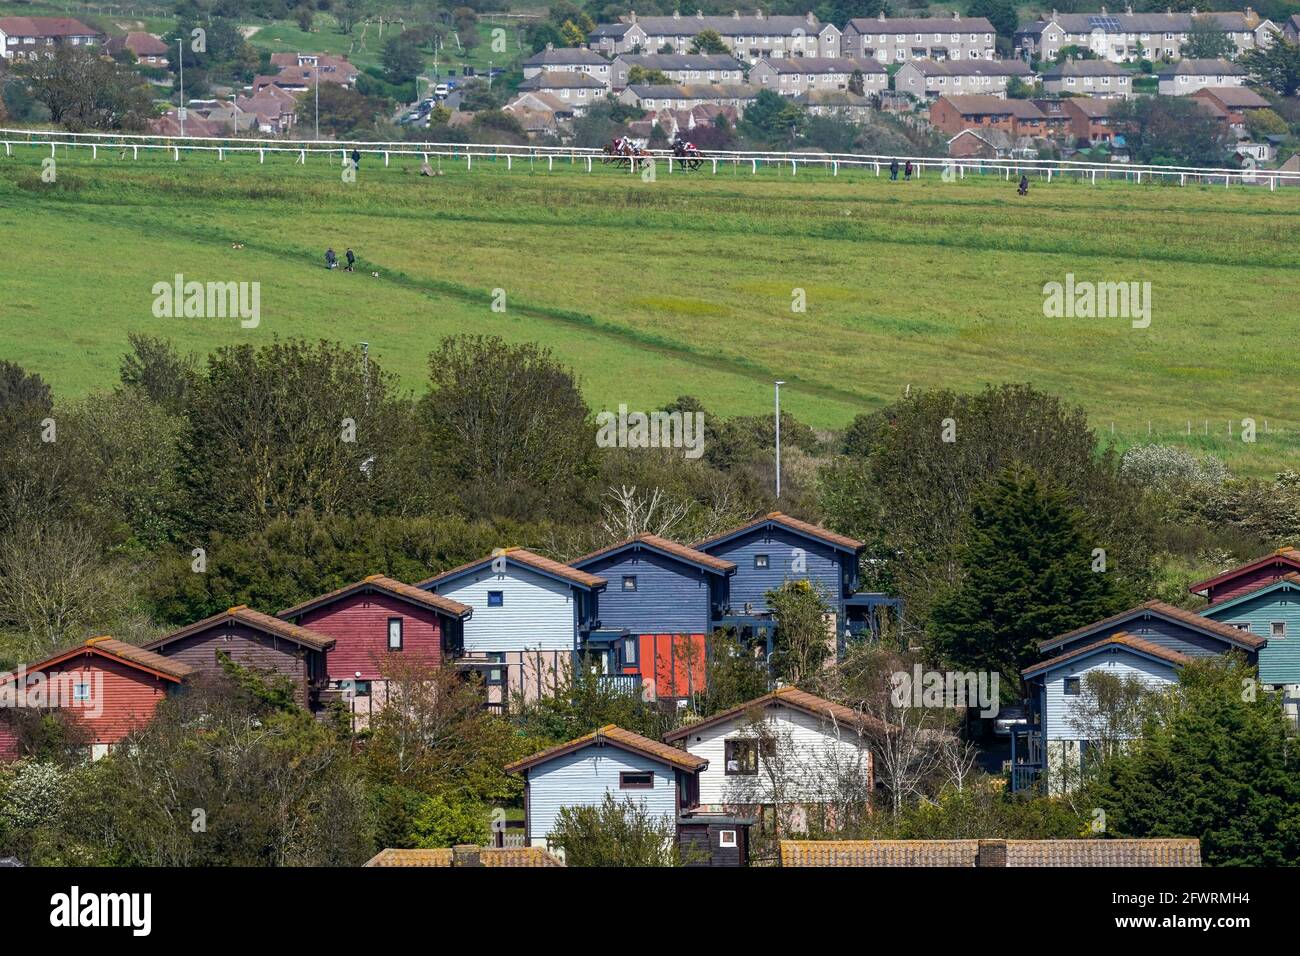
528	559
1168	610
668	547
1120	638
619	737
966	853
379	582
799	699
256	620
488	856
795	524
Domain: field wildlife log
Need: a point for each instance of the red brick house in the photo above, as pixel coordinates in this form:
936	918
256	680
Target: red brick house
1090	120
24	38
378	621
256	641
147	48
952	114
1232	104
109	688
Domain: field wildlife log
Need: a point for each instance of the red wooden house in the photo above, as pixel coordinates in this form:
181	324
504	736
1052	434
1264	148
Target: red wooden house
1249	576
109	687
377	622
256	641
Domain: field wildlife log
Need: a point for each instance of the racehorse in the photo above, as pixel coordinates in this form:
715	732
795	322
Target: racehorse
688	153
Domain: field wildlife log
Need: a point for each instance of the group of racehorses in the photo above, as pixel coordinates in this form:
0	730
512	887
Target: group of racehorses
623	152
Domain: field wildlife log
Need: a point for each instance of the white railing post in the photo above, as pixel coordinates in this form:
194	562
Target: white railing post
754	163
550	163
670	165
261	156
221	154
94	151
794	168
588	163
835	168
715	165
135	152
176	153
386	157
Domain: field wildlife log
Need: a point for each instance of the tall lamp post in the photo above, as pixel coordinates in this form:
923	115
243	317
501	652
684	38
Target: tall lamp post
180	110
317	94
778	438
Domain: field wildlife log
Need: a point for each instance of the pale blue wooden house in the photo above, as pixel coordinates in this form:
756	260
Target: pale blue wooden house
657	776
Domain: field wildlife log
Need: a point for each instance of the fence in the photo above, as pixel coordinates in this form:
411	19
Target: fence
948	168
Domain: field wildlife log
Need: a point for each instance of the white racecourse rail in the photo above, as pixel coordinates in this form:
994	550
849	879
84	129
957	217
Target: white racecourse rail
949	168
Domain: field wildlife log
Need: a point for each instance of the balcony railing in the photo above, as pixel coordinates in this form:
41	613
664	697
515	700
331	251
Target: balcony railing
1025	776
621	683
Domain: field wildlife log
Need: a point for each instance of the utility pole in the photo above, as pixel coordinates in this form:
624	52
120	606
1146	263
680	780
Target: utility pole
180	110
317	85
778	438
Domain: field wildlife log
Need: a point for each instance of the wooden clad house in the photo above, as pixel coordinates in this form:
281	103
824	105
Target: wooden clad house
1150	643
656	615
377	623
579	773
110	688
256	641
776	548
1271	611
788	753
531	619
1249	576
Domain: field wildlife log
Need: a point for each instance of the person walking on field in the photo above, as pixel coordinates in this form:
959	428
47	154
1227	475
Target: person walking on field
331	259
356	158
352	261
1024	186
907	171
893	170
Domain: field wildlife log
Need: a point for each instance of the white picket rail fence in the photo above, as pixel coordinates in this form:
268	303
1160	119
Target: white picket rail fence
952	168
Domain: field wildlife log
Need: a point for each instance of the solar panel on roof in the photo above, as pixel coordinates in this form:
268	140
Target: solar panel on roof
1109	24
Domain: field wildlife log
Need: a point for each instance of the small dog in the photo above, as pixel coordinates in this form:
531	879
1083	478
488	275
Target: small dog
375	275
236	245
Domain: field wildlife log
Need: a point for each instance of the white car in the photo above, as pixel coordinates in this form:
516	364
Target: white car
441	90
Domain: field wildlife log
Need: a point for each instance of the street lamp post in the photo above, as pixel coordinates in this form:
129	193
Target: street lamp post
180	110
317	96
778	438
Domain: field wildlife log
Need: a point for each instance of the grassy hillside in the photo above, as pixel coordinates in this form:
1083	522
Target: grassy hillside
686	284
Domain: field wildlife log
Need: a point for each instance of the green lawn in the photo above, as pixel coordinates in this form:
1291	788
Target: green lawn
685	284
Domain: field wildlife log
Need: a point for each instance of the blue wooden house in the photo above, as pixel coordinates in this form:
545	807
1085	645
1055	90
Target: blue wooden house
659	777
776	548
655	615
1150	642
1270	611
531	619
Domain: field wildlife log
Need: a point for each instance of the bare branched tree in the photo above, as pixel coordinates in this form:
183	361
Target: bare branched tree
626	514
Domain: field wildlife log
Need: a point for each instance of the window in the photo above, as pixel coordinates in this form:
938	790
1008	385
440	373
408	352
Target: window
1277	629
726	838
629	582
741	758
80	692
1072	687
760	561
629	652
394	633
496	598
496	676
636	780
1242	627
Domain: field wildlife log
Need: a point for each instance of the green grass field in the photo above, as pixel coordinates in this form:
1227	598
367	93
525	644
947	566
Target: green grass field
685	284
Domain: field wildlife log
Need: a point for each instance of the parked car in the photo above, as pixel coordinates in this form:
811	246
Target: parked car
442	89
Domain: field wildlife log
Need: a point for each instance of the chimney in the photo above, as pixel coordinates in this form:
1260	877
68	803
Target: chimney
882	16
1103	9
991	853
956	15
677	14
1129	9
699	14
1194	11
550	46
1053	13
758	14
812	18
632	14
735	14
466	854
